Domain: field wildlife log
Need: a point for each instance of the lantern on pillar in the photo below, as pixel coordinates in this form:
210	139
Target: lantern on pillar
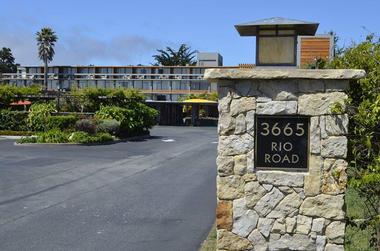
276	39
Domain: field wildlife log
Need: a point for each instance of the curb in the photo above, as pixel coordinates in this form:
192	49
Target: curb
89	144
11	137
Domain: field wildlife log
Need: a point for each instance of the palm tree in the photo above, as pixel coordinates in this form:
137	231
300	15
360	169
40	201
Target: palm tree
46	39
170	57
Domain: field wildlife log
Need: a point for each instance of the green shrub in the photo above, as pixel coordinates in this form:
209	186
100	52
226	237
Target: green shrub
122	115
9	93
39	116
133	95
91	99
25	140
145	115
363	142
62	122
111	112
86	125
13	120
103	137
85	138
52	136
142	118
79	137
110	126
133	120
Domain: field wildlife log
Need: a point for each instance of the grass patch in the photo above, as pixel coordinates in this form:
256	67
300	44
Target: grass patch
85	138
27	140
210	243
57	136
356	239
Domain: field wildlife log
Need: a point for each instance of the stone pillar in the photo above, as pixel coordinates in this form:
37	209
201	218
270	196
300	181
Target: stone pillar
281	209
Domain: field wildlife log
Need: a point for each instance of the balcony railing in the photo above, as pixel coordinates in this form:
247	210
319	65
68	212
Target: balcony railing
102	76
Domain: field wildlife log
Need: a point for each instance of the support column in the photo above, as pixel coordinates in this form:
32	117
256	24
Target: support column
195	114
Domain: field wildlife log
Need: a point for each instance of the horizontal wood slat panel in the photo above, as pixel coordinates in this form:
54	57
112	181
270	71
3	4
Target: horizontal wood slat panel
316	46
315	39
315	42
313	52
314	55
313	48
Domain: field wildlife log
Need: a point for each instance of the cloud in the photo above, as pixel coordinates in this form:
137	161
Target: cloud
80	47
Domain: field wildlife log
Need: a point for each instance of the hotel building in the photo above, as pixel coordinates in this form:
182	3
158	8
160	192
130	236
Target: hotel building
168	83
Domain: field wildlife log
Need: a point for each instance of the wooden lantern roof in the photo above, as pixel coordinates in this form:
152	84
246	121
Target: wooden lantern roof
300	27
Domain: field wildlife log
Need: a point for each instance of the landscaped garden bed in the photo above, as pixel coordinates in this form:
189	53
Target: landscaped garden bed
110	115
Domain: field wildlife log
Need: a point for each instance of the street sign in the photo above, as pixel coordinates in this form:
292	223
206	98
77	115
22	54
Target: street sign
282	142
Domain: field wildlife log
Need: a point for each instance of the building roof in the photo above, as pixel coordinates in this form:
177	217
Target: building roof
301	27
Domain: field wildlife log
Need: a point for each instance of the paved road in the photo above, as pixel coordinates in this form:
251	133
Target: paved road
157	194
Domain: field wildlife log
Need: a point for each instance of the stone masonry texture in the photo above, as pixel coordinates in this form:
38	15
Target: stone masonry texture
281	210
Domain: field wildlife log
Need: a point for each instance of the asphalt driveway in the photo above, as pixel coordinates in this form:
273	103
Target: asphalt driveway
155	194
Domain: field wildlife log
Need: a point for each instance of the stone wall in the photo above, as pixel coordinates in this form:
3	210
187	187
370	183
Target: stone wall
277	210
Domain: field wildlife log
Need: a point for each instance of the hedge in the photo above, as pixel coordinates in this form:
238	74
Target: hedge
13	120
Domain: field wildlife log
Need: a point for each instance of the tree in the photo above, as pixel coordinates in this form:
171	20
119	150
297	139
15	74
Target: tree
364	138
7	61
337	50
46	39
170	57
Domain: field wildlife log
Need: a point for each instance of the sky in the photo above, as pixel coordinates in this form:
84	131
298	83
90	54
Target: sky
116	32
